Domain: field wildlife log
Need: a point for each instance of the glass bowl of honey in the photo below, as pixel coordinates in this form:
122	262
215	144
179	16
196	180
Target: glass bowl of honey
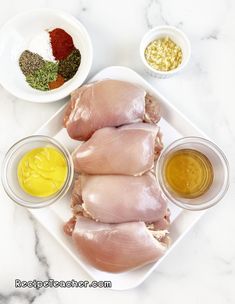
193	173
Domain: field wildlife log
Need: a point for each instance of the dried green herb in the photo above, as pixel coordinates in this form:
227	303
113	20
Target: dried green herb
30	62
69	66
39	80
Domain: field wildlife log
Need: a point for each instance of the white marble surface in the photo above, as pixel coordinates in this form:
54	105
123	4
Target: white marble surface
202	267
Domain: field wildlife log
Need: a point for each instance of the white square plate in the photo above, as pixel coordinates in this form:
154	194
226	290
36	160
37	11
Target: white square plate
173	125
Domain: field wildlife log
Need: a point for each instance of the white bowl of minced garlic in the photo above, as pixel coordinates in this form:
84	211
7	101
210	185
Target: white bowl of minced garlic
165	51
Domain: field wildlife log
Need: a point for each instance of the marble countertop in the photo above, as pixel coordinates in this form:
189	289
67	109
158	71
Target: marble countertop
202	267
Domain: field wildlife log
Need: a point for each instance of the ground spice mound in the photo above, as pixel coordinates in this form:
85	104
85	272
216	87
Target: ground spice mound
69	66
62	43
56	83
30	62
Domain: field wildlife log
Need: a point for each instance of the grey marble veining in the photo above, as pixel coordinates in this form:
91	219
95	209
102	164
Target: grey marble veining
202	268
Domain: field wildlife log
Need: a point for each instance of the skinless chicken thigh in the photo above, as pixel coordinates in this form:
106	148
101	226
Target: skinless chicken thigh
128	150
108	103
119	198
117	247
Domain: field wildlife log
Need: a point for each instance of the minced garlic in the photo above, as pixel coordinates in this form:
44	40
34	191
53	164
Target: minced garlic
163	54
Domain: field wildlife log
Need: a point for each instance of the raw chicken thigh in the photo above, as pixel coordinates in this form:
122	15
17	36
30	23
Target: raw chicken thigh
108	103
119	198
128	150
118	247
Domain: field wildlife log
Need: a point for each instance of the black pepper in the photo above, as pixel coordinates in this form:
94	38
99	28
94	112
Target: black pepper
30	62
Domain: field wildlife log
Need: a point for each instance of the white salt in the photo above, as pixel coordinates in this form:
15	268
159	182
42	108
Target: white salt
41	45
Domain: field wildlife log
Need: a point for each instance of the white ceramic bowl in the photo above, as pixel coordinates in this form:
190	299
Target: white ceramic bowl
15	36
177	36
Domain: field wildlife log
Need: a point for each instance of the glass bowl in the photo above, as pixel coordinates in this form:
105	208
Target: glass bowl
9	171
219	162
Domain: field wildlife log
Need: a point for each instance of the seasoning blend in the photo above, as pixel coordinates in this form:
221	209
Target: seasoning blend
42	171
51	60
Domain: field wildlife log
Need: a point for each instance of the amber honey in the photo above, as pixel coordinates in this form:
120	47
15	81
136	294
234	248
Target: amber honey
188	173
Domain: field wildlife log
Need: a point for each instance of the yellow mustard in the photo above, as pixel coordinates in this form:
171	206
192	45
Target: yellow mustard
42	171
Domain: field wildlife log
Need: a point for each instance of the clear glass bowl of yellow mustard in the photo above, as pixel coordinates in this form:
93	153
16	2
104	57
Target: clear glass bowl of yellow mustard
193	173
37	171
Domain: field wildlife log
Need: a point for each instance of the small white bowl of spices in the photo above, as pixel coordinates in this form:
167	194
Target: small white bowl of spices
165	51
45	54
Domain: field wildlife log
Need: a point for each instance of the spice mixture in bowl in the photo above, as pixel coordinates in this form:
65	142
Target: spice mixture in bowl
47	60
59	60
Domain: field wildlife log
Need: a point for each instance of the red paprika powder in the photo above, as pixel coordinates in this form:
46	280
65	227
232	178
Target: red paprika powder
62	43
